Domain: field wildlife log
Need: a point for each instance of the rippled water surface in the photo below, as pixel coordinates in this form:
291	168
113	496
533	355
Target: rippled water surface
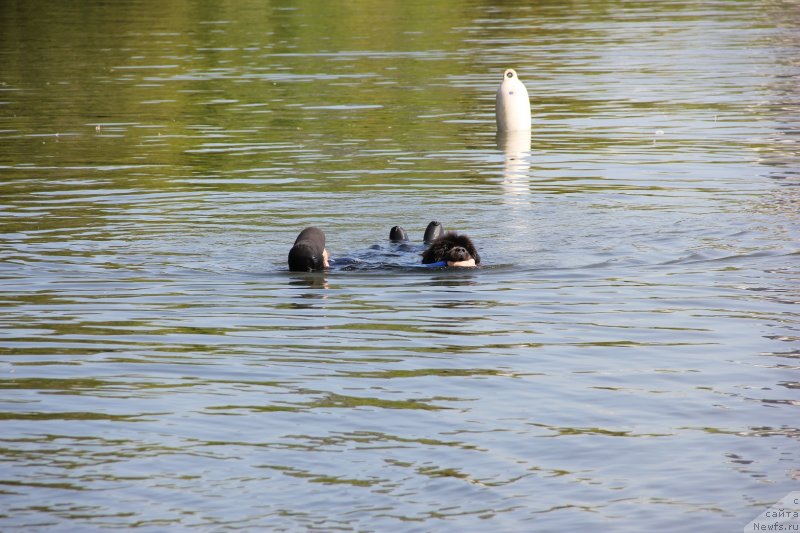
625	360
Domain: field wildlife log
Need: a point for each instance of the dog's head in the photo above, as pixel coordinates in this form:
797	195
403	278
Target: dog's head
451	247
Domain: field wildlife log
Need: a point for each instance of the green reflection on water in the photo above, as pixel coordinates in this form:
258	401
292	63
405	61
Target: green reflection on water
332	400
321	478
425	372
76	415
162	81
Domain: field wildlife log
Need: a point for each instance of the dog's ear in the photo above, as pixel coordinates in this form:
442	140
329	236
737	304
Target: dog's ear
434	253
438	248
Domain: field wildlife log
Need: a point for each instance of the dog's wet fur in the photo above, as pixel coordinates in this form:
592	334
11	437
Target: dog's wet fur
451	247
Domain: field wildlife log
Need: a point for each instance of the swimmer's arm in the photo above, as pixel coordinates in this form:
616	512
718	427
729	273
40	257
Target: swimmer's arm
468	263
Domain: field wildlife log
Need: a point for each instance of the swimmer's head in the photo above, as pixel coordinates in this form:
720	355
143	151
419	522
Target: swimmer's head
308	253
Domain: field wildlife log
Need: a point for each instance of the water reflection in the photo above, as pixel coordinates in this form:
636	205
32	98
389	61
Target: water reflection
311	280
516	148
635	309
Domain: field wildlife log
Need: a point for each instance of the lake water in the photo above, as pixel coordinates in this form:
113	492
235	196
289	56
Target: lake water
626	359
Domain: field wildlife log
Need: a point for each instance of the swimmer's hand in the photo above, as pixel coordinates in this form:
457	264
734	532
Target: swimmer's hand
468	263
439	264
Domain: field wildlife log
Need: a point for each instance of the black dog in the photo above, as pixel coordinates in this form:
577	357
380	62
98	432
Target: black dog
452	248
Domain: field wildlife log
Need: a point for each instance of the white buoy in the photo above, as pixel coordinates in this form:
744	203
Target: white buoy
512	107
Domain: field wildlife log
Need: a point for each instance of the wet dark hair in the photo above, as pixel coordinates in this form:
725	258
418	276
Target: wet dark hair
307	253
451	247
